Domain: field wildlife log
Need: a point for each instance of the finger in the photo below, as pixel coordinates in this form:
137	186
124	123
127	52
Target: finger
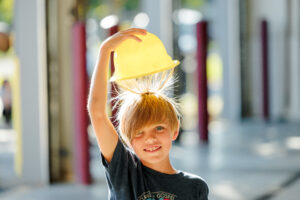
135	38
135	31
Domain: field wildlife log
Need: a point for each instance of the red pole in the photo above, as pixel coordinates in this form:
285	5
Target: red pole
265	65
80	82
202	40
114	88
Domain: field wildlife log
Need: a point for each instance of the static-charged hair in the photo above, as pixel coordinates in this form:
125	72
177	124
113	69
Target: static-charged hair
145	101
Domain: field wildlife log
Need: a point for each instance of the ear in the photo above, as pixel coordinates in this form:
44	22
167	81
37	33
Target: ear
176	132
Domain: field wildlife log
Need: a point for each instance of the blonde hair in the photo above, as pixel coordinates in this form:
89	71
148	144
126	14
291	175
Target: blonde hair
144	101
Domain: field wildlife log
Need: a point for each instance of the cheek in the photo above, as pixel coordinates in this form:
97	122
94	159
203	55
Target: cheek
136	144
166	139
168	136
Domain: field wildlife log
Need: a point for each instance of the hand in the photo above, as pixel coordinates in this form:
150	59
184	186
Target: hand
113	41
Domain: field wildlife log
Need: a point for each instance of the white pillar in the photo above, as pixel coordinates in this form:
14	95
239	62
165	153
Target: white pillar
232	96
30	46
294	112
274	11
226	32
160	14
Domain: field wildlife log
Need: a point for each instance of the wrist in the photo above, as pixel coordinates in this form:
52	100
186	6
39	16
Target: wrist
104	49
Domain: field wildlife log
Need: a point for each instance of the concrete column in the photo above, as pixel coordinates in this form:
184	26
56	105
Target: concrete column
245	15
160	14
226	32
234	66
231	57
29	30
60	89
274	11
294	82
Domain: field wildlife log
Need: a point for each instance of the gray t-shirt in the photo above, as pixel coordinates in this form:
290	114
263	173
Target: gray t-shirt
129	179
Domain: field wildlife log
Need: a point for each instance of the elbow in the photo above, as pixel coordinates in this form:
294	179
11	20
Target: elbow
92	103
95	110
89	106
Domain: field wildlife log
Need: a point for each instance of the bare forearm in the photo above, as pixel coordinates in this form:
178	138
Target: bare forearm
98	89
106	134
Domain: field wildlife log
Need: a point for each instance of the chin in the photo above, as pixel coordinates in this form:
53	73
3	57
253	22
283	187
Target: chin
153	159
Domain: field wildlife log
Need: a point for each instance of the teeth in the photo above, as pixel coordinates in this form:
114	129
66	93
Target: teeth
152	149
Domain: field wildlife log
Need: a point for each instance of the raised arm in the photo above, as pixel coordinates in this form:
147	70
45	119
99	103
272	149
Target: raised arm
106	134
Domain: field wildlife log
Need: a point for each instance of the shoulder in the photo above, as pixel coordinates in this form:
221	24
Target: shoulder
122	155
196	181
192	177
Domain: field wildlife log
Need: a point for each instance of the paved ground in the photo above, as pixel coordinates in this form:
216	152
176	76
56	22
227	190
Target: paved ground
248	160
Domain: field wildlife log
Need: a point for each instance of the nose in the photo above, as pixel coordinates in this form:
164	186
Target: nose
151	138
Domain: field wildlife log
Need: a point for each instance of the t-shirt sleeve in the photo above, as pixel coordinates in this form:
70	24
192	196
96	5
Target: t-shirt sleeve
122	164
203	191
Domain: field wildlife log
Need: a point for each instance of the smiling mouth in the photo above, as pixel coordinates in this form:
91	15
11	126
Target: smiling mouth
153	149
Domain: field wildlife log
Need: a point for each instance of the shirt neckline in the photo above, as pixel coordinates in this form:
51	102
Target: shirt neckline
161	174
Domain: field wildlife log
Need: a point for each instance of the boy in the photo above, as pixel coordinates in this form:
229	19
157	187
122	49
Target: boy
148	123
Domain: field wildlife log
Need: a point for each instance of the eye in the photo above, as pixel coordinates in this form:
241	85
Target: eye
160	128
139	134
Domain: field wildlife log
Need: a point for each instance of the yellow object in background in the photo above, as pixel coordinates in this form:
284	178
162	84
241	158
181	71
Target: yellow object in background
133	59
16	104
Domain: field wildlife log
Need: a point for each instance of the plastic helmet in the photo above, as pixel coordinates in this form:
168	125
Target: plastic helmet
133	59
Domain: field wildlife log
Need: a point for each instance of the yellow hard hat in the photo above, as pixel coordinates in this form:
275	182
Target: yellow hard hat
133	59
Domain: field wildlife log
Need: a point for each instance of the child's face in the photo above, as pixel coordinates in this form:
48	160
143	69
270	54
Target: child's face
152	144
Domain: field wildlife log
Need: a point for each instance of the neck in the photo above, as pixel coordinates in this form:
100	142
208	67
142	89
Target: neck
162	167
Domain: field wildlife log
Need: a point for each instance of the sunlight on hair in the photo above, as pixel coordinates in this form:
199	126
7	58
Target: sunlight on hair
145	100
159	84
154	83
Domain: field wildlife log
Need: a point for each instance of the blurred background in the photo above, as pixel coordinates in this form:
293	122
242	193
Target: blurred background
238	87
